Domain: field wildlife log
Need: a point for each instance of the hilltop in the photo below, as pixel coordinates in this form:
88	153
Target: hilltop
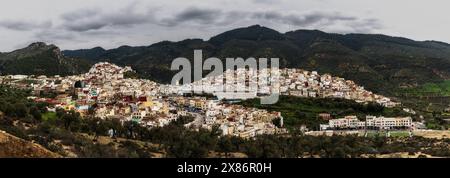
40	59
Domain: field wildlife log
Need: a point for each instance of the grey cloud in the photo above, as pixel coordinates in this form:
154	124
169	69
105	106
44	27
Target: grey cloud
315	19
54	35
303	19
95	19
94	23
265	1
59	36
365	26
86	26
202	16
62	34
24	25
330	21
80	14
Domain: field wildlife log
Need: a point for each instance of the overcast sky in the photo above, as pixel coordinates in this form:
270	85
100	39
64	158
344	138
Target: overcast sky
75	24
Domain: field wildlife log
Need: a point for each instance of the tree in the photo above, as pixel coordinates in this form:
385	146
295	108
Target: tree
70	118
129	127
298	147
269	146
19	110
277	122
115	125
36	113
225	145
301	115
422	156
215	130
101	129
374	107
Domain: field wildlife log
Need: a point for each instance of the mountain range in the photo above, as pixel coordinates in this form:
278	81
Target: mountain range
381	63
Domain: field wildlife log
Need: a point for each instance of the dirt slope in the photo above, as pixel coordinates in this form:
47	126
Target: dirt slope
14	147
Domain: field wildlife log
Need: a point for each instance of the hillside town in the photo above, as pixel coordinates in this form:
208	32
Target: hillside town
106	92
250	83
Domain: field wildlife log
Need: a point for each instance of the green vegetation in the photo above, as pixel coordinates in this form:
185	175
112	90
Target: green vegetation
429	89
131	75
399	133
49	116
41	59
299	111
438	123
70	135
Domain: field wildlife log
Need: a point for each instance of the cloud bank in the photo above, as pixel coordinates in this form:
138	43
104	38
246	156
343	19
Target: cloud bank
145	23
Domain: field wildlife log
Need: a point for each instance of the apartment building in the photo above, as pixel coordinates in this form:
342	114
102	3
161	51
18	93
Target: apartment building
371	122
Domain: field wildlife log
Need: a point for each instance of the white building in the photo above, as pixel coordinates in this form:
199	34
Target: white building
372	122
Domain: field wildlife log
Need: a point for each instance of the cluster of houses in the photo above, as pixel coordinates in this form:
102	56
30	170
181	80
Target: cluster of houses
103	92
251	83
231	119
371	123
106	92
298	82
243	122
